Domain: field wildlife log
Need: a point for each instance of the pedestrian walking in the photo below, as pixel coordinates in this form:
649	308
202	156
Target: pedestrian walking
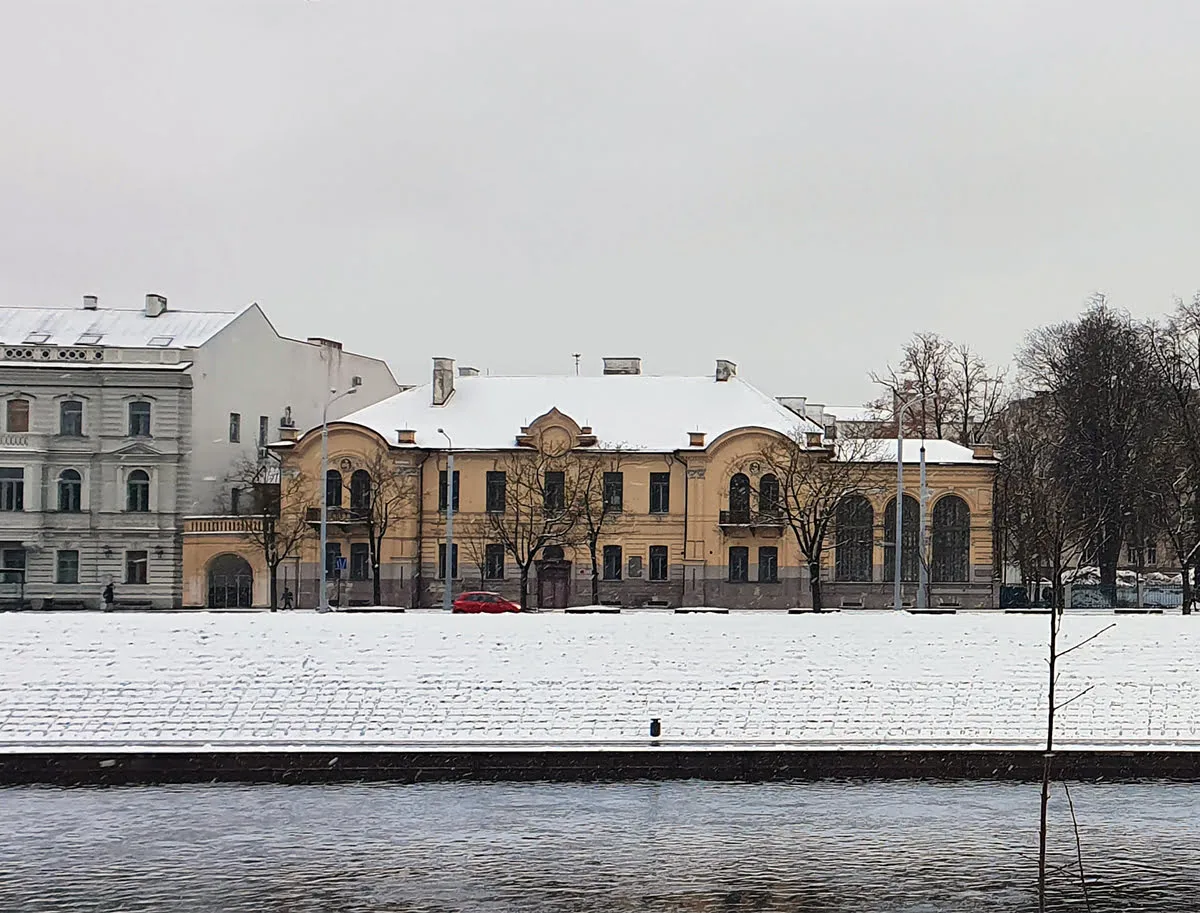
109	597
287	598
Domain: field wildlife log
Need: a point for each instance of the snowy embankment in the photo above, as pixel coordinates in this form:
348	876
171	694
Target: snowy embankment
373	681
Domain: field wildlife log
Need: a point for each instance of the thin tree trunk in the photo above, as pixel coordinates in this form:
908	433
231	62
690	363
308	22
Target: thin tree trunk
1047	760
595	578
814	585
525	588
274	587
1187	587
376	585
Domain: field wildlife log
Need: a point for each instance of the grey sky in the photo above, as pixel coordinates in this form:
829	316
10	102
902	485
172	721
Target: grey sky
793	185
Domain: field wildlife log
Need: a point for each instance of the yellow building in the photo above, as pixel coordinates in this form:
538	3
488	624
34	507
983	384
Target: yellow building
693	486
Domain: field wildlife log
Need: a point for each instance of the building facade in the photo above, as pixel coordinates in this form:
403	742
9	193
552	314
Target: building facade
119	422
690	514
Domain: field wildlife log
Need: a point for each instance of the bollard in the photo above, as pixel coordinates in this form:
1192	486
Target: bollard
655	728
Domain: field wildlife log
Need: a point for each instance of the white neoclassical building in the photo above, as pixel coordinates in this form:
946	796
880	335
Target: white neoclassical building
115	423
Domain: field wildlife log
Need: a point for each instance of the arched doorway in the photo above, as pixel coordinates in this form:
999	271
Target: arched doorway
230	583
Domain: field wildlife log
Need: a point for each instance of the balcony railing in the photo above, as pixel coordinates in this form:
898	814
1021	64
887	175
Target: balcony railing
342	515
14	441
755	518
228	524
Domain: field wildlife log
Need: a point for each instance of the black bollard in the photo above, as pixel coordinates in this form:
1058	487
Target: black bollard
655	728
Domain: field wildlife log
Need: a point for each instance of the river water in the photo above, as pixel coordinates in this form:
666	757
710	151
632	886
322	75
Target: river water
676	846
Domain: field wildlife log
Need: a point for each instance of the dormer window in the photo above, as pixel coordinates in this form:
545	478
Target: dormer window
90	339
160	342
37	338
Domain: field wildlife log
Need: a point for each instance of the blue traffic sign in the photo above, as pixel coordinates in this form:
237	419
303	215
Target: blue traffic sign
340	564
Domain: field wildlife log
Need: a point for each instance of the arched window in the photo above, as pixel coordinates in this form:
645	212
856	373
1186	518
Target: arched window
70	491
137	491
951	540
768	495
909	542
17	416
854	531
360	491
333	488
739	499
70	418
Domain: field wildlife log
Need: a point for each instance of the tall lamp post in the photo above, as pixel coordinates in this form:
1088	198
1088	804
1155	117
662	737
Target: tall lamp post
898	569
333	397
448	569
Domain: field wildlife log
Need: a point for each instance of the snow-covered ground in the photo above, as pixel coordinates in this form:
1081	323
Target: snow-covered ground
370	680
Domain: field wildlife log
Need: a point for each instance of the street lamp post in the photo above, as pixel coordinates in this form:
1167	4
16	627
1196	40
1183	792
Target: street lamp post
897	569
334	396
448	569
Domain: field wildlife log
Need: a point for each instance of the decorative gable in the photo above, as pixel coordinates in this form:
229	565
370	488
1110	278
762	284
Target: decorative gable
555	432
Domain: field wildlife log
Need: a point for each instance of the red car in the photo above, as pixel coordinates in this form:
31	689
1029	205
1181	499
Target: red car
489	603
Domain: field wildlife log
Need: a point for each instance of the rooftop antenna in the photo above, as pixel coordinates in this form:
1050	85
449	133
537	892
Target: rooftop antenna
576	356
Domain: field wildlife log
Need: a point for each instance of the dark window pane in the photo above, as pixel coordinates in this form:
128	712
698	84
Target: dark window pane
497	485
333	488
264	431
658	562
360	493
494	561
555	491
739	499
768	564
909	543
660	492
612	562
768	496
67	566
442	490
360	561
442	561
854	538
333	551
614	491
70	418
18	415
12	488
137	495
951	540
235	428
136	567
70	491
739	564
139	419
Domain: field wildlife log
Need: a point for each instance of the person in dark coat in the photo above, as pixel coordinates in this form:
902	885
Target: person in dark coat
287	598
109	597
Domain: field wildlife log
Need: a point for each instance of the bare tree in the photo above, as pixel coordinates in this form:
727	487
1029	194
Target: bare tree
473	534
382	492
599	488
276	512
977	393
541	506
805	484
924	371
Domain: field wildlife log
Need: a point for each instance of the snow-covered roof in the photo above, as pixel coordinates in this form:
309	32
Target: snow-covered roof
883	450
122	328
636	412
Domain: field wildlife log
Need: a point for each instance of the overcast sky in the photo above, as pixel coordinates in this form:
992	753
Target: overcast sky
796	186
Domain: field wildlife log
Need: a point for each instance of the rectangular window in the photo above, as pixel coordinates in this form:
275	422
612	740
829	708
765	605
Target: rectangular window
137	567
442	561
612	562
660	492
12	488
235	500
18	415
1152	553
497	492
658	562
67	566
614	491
139	419
70	418
442	490
554	491
333	555
13	570
493	561
768	564
360	561
739	564
264	430
235	428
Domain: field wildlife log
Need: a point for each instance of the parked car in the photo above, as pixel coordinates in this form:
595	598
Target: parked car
490	603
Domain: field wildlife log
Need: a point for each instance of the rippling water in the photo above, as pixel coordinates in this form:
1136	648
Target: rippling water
878	847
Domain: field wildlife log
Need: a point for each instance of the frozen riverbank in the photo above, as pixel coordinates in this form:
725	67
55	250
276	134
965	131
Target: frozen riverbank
71	682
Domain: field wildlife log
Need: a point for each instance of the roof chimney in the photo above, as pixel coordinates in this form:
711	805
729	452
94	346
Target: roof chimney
156	305
464	371
794	403
983	452
622	366
725	370
695	438
322	341
406	436
443	380
90	302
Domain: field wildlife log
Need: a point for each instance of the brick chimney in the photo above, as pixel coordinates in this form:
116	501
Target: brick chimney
406	436
622	366
443	380
156	305
90	302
